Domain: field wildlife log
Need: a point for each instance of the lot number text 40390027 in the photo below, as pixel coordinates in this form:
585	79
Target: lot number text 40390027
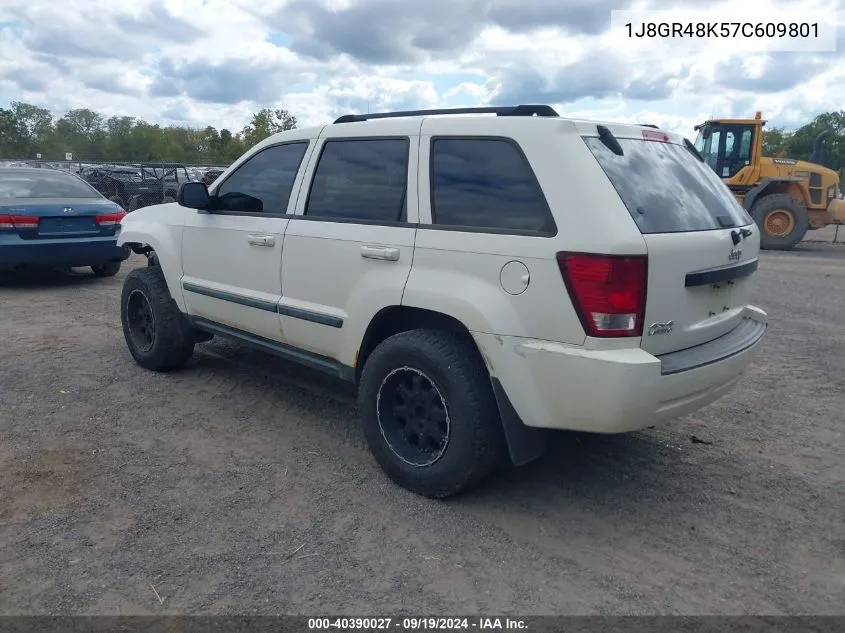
416	624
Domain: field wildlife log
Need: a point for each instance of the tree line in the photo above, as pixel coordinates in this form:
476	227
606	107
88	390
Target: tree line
28	130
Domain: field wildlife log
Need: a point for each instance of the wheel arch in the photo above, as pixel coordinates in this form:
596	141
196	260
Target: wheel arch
394	319
161	243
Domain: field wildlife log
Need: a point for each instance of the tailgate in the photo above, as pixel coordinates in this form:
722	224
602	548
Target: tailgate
699	284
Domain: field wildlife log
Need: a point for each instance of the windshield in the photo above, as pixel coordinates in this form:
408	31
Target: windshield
666	189
45	184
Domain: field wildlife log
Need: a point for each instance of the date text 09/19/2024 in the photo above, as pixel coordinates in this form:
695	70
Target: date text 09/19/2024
724	29
416	624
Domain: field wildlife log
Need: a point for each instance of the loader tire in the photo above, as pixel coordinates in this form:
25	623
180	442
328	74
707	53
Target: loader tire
782	220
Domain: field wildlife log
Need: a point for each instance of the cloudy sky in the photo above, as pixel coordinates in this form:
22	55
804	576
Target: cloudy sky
212	62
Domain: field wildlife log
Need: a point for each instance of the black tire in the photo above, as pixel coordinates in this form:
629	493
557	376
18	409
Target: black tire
135	203
117	200
106	269
474	442
157	334
782	220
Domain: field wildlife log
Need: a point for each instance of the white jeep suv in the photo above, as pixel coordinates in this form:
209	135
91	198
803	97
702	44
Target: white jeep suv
480	278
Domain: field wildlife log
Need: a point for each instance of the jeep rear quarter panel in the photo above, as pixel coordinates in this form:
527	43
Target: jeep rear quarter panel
458	270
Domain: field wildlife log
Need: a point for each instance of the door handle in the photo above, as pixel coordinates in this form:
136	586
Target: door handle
380	252
261	240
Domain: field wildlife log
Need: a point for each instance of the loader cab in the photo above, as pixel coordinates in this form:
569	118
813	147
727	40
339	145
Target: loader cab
727	146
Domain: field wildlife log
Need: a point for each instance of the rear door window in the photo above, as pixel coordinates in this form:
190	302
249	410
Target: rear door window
666	189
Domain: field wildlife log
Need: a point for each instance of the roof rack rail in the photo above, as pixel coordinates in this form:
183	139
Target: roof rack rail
519	110
649	125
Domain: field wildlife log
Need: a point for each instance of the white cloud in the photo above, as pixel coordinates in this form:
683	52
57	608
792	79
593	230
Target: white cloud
212	62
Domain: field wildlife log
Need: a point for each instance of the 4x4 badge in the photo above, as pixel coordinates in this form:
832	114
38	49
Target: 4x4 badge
660	328
735	255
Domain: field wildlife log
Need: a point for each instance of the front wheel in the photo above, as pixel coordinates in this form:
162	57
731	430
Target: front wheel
107	269
157	334
782	220
429	413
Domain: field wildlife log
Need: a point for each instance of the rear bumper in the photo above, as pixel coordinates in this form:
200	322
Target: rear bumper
59	252
556	386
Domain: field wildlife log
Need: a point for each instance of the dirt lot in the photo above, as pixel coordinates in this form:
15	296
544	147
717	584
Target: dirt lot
243	485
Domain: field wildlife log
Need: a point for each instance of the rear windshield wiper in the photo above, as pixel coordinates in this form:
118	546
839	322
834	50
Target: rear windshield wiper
606	137
692	150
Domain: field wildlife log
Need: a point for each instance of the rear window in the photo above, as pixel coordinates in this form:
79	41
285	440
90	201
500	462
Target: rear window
666	189
47	184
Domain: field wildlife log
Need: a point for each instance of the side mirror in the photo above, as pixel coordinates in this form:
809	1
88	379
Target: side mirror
194	195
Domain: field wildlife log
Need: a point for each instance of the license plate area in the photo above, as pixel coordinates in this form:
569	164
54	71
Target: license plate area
63	226
720	297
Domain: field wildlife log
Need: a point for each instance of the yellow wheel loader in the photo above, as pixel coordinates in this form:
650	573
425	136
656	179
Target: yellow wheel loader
786	197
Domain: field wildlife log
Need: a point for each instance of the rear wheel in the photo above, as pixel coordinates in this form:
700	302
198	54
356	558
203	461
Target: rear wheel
117	200
107	269
429	413
157	334
782	220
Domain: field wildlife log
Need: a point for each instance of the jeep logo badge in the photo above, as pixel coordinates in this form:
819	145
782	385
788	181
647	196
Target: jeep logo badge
735	255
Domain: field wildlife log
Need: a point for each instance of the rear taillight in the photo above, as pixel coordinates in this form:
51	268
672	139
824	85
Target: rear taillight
18	222
607	291
110	219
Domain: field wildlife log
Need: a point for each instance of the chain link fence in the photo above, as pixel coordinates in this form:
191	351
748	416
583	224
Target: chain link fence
132	185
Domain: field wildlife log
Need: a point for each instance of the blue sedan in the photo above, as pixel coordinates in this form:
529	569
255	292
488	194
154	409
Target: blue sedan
50	218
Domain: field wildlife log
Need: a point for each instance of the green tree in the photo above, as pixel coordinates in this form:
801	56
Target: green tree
83	133
774	142
10	138
265	123
34	128
832	124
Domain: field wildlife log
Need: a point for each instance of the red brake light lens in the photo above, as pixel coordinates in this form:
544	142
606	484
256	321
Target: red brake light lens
654	135
110	219
608	292
18	222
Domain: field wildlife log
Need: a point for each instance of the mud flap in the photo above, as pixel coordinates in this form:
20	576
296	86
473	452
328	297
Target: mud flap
525	443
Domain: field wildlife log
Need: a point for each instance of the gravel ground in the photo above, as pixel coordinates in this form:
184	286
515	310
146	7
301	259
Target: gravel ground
242	485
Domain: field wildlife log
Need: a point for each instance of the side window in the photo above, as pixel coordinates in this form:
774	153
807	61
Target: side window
362	179
745	145
267	177
487	184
